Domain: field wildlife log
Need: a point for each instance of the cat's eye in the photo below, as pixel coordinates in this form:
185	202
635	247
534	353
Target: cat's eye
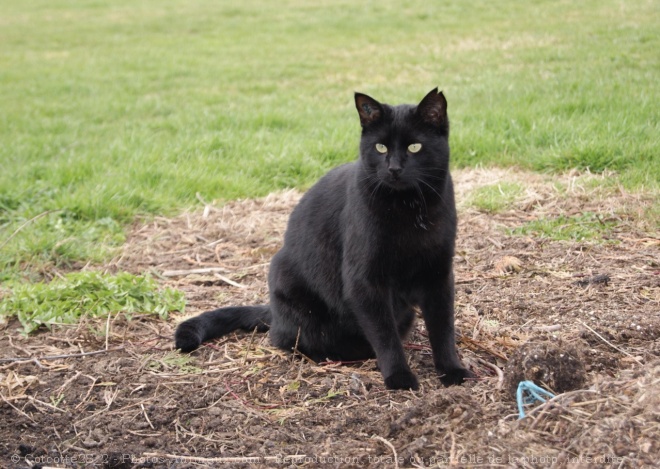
414	147
380	148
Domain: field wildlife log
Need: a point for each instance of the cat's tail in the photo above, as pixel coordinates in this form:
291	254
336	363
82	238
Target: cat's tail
213	324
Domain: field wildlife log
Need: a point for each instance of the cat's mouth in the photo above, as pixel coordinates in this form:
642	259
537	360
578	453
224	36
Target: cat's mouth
396	182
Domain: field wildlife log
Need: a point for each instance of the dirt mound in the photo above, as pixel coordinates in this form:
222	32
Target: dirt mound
114	393
557	366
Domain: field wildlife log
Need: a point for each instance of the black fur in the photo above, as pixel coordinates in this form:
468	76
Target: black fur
369	242
220	322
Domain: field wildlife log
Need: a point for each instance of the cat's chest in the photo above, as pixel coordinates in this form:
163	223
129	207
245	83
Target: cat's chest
409	216
402	237
407	252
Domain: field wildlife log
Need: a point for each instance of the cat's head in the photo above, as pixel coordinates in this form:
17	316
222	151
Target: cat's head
405	147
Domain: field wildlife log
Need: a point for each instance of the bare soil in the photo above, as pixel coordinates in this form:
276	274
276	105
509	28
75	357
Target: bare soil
115	394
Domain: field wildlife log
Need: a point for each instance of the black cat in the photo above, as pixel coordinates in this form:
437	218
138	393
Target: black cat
368	243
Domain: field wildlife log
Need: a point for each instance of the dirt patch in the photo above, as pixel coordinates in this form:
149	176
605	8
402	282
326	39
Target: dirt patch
238	402
554	365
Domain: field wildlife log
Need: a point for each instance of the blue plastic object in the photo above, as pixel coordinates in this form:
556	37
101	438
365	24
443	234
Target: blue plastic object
528	393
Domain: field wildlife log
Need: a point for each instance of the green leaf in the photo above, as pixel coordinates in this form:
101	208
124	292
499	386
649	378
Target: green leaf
91	294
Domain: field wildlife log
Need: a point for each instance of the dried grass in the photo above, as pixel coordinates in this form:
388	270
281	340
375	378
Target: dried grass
240	398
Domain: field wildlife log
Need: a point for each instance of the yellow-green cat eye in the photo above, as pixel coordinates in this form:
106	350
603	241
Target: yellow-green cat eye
380	148
414	147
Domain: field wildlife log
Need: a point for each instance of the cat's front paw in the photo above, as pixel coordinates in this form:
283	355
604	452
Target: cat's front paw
455	376
187	337
402	380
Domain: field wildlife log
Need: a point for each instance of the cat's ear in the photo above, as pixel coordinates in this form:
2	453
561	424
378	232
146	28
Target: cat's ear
368	108
433	108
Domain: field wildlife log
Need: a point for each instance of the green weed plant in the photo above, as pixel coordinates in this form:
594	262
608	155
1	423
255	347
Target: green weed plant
87	294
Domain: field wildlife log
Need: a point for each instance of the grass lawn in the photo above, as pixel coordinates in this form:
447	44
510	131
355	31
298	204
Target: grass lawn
116	109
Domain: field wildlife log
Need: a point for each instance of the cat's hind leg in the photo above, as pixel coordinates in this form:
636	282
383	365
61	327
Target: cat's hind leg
299	323
304	321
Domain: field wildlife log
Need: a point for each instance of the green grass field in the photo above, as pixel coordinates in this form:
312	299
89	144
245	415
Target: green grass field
116	109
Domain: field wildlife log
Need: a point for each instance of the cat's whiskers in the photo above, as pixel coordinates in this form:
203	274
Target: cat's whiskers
373	184
422	218
366	177
438	178
431	187
421	195
377	186
438	168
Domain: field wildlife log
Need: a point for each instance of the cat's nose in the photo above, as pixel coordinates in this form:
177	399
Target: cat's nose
395	171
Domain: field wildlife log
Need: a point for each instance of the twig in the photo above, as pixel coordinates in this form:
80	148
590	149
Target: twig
476	343
295	346
554	400
494	242
91	387
61	388
335	363
550	402
183	273
206	270
59	357
143	434
611	344
295	352
230	459
146	416
496	369
247	349
46	404
109	398
107	331
43	214
17	409
552	328
248	404
391	446
229	281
